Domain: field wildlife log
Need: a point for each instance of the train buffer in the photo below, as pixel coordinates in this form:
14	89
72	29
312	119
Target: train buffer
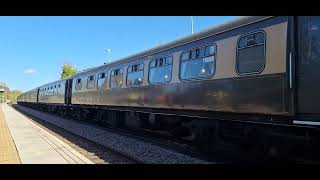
24	142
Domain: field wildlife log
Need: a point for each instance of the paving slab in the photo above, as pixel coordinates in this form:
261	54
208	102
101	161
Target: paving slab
8	151
37	146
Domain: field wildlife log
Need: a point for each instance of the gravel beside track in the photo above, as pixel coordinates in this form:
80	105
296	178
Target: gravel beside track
97	153
141	151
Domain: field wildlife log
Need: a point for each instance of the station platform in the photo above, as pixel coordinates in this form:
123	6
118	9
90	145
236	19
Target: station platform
24	142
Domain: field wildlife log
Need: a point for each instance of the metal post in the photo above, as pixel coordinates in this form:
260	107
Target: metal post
191	24
107	50
2	97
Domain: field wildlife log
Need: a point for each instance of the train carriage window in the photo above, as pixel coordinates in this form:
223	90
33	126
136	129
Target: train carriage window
198	63
78	85
59	89
210	50
116	78
91	82
251	55
160	70
185	55
135	75
55	89
101	80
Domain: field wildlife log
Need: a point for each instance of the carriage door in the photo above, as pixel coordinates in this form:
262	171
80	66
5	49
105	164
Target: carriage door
68	92
308	65
38	93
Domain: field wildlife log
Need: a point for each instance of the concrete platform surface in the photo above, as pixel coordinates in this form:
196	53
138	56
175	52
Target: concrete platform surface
8	151
37	146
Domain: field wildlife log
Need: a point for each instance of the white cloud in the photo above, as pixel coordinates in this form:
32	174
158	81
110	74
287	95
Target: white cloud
29	71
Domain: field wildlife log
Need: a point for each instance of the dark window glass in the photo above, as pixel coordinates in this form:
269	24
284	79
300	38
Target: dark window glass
135	77
160	62
102	75
251	53
251	59
311	42
259	38
242	43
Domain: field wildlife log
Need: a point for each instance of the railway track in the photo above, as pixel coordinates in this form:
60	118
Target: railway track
154	149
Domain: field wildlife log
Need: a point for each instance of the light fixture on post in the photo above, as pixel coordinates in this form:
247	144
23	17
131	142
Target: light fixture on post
108	51
191	17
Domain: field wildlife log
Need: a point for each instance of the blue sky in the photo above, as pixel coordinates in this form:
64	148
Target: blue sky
33	48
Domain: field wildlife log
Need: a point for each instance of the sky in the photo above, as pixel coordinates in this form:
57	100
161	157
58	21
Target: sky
33	48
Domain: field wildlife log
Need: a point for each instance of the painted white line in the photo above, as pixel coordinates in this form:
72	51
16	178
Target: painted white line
307	122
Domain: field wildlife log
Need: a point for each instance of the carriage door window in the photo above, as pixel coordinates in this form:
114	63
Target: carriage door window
78	84
135	75
101	80
60	89
198	63
308	64
116	78
251	55
91	82
160	70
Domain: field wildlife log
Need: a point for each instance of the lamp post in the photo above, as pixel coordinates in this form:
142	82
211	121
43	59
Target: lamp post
191	17
2	98
108	51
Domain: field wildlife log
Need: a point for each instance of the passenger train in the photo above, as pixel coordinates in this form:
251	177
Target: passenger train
249	85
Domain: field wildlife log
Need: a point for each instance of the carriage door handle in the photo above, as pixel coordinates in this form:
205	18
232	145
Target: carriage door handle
290	70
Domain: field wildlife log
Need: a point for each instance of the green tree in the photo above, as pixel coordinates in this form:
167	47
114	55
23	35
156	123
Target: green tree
68	70
13	95
10	95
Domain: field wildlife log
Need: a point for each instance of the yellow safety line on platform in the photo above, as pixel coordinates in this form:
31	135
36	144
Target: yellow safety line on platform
8	151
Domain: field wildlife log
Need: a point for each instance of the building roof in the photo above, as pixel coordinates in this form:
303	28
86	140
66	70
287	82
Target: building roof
2	91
